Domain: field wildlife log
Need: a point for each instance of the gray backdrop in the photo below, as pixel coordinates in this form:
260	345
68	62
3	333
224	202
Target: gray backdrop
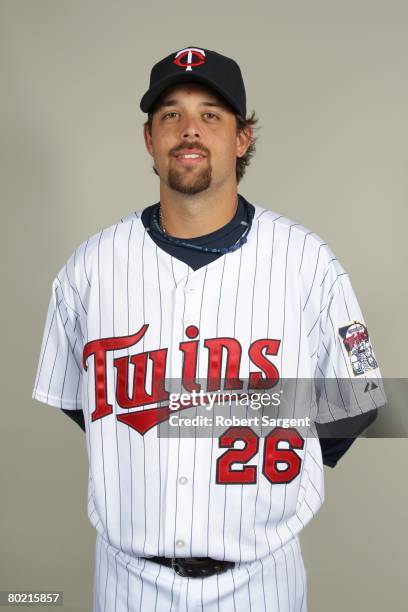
328	81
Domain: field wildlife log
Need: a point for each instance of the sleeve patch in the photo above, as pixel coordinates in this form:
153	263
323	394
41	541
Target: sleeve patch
356	343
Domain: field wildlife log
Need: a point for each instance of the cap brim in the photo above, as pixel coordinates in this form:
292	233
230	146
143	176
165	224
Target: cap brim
152	95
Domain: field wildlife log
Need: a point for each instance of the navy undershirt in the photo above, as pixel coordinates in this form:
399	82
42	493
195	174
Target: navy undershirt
333	448
223	237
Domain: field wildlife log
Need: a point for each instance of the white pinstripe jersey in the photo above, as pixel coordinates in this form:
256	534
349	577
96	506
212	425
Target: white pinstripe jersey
116	324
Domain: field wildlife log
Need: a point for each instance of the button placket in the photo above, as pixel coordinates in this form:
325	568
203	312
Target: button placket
192	306
187	305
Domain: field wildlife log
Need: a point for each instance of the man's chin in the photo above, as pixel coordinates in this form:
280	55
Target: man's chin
189	184
189	189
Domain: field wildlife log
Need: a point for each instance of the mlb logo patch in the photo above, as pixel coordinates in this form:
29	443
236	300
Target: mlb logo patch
356	343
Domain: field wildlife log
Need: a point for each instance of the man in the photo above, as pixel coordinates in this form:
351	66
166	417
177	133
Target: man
205	291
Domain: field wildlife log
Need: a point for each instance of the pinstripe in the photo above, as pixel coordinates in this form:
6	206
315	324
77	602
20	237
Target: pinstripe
74	286
277	583
235	320
314	460
216	333
157	590
116	426
287	577
84	264
298	355
56	354
212	423
283	344
335	376
314	275
259	476
312	512
143	347
263	584
233	589
187	599
257	217
178	431
116	579
249	592
325	392
106	579
328	270
317	321
99	284
127	585
303	581
314	486
284	297
59	285
159	445
172	592
303	249
268	335
100	421
98	564
142	585
294	573
129	437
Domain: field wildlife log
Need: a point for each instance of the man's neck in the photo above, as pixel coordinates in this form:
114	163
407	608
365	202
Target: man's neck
189	216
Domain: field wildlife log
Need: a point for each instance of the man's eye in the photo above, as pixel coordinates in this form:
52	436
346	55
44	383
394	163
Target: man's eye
174	113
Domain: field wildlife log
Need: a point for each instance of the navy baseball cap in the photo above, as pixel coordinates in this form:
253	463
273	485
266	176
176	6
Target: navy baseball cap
219	72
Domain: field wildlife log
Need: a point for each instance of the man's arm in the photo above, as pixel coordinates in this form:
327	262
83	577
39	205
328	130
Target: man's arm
336	438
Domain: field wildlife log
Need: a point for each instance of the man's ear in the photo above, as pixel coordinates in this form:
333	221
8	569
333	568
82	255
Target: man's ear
148	139
244	139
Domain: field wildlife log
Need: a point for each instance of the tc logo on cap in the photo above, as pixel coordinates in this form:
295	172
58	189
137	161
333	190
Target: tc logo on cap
189	53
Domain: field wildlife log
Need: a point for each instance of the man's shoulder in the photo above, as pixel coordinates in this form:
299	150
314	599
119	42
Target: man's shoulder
84	259
287	225
108	234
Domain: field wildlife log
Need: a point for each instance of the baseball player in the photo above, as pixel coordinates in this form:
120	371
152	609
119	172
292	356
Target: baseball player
202	291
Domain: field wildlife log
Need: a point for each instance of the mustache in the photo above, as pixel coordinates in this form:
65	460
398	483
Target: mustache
189	147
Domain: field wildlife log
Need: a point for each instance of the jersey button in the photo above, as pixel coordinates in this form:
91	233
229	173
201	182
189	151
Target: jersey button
183	480
180	543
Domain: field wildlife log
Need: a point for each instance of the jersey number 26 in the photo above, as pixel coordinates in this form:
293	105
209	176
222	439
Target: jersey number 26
273	456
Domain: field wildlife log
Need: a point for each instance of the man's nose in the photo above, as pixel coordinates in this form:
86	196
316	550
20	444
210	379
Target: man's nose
191	134
190	128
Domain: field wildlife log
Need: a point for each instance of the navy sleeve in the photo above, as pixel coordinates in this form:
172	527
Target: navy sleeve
77	416
333	442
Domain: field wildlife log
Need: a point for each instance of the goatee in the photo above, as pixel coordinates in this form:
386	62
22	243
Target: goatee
181	182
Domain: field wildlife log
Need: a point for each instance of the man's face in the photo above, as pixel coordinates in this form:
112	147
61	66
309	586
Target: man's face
191	119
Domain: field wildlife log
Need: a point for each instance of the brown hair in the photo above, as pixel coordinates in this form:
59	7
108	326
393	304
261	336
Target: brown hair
242	124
